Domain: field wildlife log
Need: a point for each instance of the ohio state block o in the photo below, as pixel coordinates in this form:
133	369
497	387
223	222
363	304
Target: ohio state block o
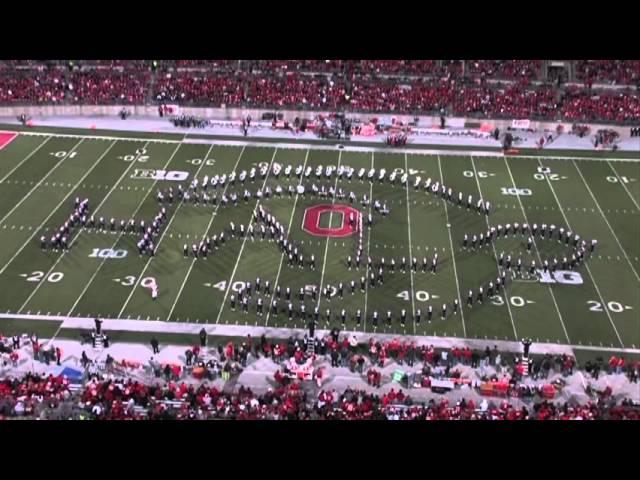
311	220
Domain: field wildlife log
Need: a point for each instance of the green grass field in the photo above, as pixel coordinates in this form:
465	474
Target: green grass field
40	176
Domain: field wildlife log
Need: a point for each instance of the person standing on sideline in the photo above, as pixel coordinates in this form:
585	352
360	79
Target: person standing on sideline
203	338
154	345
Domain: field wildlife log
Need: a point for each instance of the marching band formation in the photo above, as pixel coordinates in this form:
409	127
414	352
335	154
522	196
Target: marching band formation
264	226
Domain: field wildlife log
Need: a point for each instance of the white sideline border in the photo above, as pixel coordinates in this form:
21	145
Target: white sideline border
161	326
312	146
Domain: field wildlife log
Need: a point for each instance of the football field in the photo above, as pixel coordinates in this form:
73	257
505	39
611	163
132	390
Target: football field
102	274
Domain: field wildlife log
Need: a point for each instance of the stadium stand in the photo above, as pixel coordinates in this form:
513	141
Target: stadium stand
620	72
109	393
50	397
105	87
505	69
359	85
588	106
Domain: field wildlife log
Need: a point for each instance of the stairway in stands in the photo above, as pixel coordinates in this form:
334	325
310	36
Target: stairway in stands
99	343
311	346
525	367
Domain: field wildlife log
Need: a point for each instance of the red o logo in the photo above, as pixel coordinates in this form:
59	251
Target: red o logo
311	220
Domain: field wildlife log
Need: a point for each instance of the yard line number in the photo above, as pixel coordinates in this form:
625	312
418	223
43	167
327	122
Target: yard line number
37	276
471	174
498	301
62	154
236	286
525	192
140	154
107	253
421	295
198	161
130	280
612	179
543	176
615	307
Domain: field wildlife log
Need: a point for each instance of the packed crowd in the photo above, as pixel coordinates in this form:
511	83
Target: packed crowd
103	87
49	397
511	102
504	69
219	89
357	67
344	351
293	90
620	72
282	84
28	87
109	394
584	105
320	66
396	67
208	64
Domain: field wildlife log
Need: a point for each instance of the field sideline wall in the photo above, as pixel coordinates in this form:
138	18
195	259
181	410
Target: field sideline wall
256	114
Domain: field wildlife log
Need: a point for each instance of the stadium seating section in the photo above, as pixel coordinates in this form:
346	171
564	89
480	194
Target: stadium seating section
490	89
35	396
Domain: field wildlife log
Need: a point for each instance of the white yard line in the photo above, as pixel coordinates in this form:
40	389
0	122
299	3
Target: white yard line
413	289
535	245
119	236
213	216
366	285
624	186
453	254
495	254
153	326
326	248
607	222
25	159
586	264
78	234
40	182
275	284
164	232
244	241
